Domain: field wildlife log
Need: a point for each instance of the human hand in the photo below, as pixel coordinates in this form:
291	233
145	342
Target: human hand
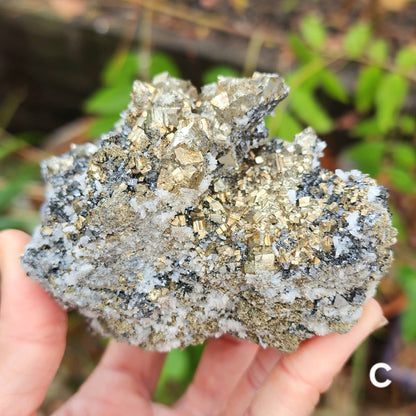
234	377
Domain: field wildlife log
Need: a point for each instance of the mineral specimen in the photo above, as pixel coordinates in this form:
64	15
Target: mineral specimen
187	222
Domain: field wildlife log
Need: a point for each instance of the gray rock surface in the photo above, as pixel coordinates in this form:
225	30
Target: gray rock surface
187	222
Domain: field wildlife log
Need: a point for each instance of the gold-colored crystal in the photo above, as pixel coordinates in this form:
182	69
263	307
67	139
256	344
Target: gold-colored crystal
304	201
264	261
188	157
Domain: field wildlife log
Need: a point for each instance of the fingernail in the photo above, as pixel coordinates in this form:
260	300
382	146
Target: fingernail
383	322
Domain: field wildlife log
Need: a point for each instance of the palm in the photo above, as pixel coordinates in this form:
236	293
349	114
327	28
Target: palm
234	377
124	381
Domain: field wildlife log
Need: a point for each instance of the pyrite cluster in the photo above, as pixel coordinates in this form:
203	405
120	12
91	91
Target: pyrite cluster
186	222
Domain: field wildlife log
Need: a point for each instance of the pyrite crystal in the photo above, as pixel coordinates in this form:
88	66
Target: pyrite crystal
186	222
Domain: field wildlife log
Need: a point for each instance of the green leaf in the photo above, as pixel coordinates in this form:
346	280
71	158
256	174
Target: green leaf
273	122
161	62
307	108
313	31
283	125
368	129
109	101
402	180
122	69
174	374
368	156
333	86
211	74
300	49
307	76
407	124
356	39
389	98
176	365
378	51
406	59
24	224
366	88
408	322
32	138
14	186
406	276
399	224
103	125
195	353
10	145
404	155
177	373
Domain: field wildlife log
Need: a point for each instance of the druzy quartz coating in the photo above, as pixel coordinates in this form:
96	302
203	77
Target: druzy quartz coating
186	222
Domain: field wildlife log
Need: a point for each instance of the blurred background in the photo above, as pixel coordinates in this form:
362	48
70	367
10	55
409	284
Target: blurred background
66	70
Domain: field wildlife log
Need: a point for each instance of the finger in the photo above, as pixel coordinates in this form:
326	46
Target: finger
223	363
32	333
294	385
142	366
123	383
252	380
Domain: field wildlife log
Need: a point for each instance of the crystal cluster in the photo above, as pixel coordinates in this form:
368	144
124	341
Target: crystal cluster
186	222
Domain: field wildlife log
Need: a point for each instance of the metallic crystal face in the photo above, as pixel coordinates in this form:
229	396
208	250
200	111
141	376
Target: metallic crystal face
187	222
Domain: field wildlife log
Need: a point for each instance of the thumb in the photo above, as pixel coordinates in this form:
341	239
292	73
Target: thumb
32	333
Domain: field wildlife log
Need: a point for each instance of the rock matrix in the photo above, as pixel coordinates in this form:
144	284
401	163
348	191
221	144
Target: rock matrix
186	222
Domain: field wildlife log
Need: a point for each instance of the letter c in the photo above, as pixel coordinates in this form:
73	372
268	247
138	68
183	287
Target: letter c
373	379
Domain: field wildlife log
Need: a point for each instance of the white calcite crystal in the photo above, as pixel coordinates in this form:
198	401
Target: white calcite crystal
187	222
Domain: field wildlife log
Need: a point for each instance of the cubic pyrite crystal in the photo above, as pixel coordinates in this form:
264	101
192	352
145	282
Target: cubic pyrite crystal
187	222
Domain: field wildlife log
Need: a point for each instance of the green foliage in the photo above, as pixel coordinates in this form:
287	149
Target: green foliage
25	224
366	88
382	89
177	373
303	102
122	69
283	125
356	39
368	129
378	51
307	108
109	101
406	59
391	93
174	377
333	86
404	155
368	156
399	224
407	124
10	145
214	72
397	160
406	275
402	180
17	182
300	49
160	62
313	32
103	124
